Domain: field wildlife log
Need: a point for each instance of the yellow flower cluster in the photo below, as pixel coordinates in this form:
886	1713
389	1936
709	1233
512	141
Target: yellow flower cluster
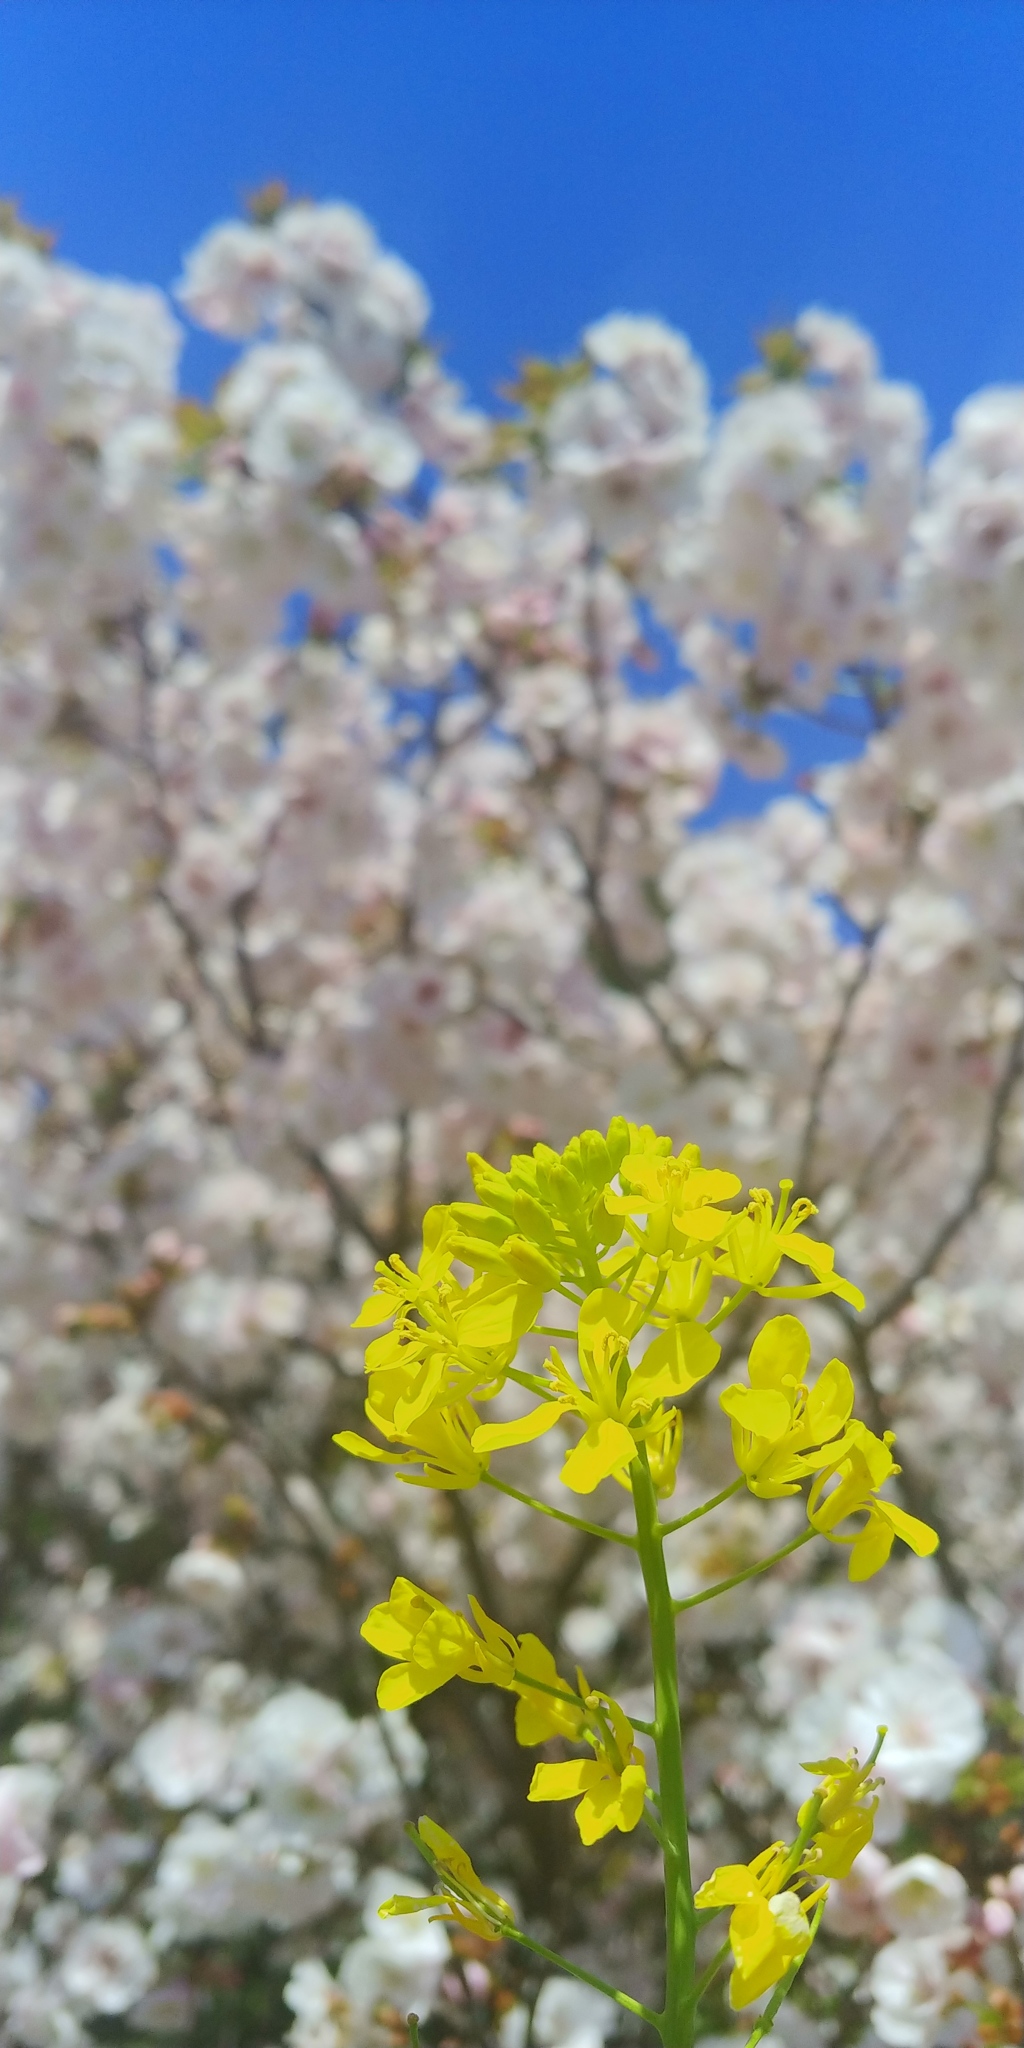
646	1250
638	1240
433	1643
771	1926
784	1432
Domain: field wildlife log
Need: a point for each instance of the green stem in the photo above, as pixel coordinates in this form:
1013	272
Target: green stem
558	1514
676	2023
548	1955
651	1821
723	1586
703	1983
683	1521
731	1301
563	1693
412	2021
531	1381
795	1857
771	2012
645	1309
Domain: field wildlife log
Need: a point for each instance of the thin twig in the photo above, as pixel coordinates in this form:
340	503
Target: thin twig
595	1529
548	1955
986	1171
345	1209
750	1572
829	1057
477	1566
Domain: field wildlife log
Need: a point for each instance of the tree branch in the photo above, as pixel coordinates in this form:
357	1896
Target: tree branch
829	1057
345	1209
986	1171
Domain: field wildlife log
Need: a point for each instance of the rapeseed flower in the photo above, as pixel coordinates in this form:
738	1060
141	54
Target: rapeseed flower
849	1486
841	1813
763	1236
620	1405
439	1441
613	1782
779	1426
433	1643
769	1929
463	1898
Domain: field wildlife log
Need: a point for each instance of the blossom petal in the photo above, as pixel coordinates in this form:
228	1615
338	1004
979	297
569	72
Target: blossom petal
602	1451
499	1436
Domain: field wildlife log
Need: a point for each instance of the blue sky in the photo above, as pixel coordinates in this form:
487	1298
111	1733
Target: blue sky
720	162
541	162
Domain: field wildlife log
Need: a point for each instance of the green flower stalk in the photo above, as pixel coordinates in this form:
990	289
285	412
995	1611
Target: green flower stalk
644	1246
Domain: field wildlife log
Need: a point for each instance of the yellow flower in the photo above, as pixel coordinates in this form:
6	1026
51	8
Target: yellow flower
768	1930
613	1782
619	1404
861	1464
448	1340
433	1643
440	1441
779	1426
678	1197
842	1811
540	1715
763	1237
463	1897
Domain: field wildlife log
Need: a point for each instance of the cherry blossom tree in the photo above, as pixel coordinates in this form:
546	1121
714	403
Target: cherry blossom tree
357	749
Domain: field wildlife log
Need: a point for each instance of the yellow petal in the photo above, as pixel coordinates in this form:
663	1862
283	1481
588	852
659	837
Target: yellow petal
359	1448
727	1886
846	1291
498	1436
710	1184
598	1454
563	1781
759	1410
807	1251
779	1352
498	1311
538	1715
707	1225
922	1540
400	1904
385	1632
396	1688
677	1359
603	1305
830	1401
646	1173
871	1549
377	1308
633	1788
598	1812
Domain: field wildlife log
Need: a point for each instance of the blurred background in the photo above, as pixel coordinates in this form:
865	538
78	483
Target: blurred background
511	616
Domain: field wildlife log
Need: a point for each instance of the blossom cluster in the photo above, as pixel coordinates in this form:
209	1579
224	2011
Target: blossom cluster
357	748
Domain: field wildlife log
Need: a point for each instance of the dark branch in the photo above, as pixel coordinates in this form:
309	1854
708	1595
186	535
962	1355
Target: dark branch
828	1060
985	1173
